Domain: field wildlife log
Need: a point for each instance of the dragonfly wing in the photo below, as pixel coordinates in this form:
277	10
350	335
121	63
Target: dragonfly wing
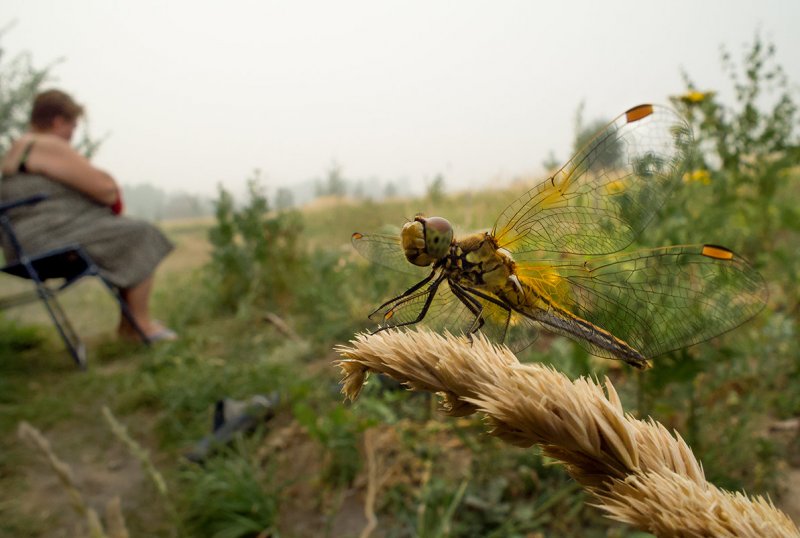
385	249
662	299
603	197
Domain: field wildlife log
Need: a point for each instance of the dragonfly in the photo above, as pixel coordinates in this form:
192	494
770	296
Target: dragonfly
556	257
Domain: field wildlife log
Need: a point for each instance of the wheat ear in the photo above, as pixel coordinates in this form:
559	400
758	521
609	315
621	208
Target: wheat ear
64	473
636	471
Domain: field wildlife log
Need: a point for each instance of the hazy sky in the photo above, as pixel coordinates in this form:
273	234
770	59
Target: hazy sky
192	93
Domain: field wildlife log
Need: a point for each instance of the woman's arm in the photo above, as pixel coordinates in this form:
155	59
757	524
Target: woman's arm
53	157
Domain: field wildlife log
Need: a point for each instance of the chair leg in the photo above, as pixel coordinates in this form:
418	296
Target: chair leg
65	329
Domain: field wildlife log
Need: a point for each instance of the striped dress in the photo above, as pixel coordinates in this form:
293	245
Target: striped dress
126	250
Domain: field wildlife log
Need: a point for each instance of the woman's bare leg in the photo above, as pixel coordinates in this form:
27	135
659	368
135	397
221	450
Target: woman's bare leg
138	299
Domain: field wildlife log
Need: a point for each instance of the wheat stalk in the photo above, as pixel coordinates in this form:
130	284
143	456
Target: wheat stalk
115	521
137	450
120	431
372	483
63	471
636	470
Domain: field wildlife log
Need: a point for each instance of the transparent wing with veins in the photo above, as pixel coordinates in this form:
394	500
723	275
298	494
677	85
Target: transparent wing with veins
603	197
656	300
385	249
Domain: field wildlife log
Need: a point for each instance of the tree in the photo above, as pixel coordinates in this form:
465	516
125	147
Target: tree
584	136
551	162
435	189
20	81
334	184
284	199
390	190
145	200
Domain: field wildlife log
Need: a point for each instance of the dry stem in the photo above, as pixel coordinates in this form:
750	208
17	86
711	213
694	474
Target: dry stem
637	471
372	484
139	452
35	438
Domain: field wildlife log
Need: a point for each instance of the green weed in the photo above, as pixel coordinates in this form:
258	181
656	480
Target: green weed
232	495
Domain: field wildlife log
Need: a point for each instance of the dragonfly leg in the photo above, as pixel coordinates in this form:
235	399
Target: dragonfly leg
473	305
406	293
496	302
431	292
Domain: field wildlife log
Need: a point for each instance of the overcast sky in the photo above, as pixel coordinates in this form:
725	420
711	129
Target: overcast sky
192	93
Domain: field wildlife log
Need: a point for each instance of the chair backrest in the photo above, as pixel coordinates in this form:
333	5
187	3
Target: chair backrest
5	221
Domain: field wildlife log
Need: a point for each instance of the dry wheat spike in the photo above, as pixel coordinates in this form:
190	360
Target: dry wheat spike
637	471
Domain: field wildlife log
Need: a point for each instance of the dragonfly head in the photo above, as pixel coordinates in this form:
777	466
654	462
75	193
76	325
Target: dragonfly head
426	240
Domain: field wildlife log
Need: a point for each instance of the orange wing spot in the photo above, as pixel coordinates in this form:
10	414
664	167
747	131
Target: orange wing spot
638	112
720	253
388	315
356	235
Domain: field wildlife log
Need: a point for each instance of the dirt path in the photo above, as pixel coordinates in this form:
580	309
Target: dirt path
101	470
100	465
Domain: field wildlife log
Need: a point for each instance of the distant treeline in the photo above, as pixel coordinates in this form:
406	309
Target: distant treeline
152	203
155	204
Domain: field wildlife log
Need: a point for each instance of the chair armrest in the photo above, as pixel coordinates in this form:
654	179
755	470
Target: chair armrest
30	200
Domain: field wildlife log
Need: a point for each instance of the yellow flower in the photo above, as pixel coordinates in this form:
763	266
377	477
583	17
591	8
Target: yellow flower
615	187
694	97
700	176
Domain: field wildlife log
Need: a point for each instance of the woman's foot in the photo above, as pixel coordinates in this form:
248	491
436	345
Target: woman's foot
155	332
164	334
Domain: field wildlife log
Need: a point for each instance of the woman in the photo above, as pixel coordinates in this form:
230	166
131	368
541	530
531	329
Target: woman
83	206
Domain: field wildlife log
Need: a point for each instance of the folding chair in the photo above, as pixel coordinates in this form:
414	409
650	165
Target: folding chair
70	263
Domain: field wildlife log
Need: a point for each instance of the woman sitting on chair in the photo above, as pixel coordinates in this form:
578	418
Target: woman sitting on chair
83	206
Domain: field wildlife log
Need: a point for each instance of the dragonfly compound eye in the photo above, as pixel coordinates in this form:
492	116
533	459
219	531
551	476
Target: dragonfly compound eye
438	237
426	240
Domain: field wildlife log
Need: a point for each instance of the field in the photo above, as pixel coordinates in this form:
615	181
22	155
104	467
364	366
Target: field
303	473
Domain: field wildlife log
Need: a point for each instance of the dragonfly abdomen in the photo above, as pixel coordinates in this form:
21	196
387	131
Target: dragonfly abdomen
539	308
571	325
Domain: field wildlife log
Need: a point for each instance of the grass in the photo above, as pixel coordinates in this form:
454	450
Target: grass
306	472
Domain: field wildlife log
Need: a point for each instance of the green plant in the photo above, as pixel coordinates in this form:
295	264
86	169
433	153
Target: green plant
336	429
20	81
255	251
233	495
740	193
744	156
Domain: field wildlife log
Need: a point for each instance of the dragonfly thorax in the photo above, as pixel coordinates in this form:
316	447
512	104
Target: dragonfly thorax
426	240
476	260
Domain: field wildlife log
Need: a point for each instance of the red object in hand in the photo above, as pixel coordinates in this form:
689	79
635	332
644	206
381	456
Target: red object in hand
117	206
